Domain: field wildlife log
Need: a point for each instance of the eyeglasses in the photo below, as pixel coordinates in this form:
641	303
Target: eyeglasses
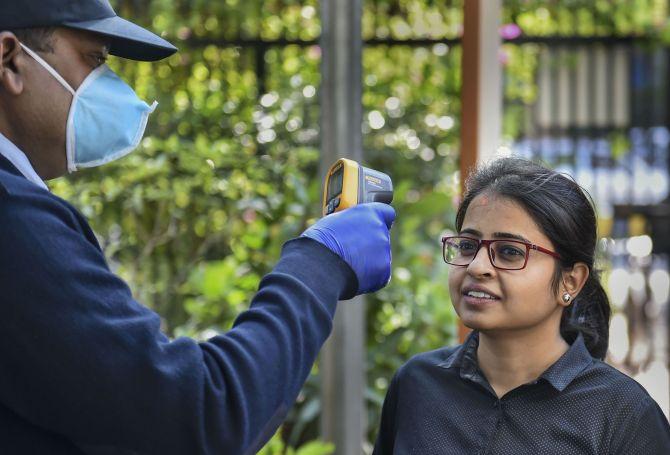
504	254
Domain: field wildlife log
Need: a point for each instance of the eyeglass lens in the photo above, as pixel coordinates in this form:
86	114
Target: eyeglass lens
504	254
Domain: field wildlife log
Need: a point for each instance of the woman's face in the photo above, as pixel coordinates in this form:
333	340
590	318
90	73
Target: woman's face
522	299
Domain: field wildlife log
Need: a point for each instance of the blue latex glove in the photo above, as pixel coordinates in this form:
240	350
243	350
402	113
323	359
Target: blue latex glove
360	236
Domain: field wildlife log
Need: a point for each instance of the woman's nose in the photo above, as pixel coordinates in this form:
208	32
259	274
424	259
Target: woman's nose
481	263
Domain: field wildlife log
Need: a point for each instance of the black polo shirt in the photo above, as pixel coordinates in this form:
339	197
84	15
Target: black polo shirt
440	403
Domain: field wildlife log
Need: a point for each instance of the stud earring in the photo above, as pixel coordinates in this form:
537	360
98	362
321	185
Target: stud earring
566	297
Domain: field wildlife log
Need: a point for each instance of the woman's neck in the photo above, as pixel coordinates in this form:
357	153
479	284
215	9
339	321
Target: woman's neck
511	359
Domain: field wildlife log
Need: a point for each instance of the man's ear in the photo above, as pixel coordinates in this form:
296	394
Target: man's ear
572	282
11	80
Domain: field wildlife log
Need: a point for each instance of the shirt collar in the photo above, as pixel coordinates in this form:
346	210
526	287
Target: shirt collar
569	365
20	161
559	375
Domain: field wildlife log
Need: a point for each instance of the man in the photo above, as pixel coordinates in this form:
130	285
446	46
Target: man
83	367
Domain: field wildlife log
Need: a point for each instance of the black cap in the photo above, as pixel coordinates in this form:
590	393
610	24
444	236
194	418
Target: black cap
127	39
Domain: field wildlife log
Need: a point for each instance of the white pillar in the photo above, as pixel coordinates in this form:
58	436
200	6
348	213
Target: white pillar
342	360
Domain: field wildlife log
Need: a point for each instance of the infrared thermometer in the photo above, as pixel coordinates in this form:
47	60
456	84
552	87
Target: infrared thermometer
348	183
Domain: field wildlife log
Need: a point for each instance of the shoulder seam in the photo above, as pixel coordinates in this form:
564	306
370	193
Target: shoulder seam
636	411
637	385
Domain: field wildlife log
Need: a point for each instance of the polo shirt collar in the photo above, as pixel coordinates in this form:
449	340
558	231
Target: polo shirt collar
575	360
464	358
559	375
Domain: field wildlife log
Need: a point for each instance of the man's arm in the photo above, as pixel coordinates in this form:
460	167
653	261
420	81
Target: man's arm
81	358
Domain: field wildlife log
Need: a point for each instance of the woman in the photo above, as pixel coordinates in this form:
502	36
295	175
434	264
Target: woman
530	377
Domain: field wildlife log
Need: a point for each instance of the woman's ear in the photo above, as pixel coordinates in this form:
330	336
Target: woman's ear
572	282
10	77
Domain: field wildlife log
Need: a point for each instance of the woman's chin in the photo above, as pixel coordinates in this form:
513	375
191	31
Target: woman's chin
479	322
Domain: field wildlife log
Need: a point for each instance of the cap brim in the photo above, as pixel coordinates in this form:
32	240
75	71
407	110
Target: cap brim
127	39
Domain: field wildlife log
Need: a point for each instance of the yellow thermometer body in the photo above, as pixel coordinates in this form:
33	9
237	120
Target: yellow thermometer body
348	184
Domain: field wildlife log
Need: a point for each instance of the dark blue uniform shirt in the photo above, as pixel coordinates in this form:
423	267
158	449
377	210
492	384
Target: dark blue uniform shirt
440	403
84	368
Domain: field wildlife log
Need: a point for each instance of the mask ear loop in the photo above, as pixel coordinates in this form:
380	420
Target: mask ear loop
48	67
69	137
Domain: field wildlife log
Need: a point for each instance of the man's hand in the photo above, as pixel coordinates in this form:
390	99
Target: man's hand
360	236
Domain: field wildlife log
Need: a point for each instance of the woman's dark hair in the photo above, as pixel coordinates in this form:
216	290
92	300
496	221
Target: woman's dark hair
566	215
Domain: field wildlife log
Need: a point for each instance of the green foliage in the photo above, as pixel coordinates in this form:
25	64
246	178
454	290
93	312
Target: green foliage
411	19
276	446
588	17
411	106
228	170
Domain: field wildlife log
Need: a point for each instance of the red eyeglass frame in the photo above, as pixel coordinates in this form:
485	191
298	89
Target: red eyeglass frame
529	246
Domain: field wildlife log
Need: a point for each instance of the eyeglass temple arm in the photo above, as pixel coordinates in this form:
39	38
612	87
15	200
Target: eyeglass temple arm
544	250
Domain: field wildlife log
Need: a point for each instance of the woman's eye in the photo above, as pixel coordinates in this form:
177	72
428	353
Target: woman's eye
508	250
466	247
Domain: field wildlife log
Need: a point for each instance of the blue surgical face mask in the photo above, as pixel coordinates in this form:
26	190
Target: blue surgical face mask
106	120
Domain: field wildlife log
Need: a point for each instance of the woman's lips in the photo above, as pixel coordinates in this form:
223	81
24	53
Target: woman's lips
479	298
